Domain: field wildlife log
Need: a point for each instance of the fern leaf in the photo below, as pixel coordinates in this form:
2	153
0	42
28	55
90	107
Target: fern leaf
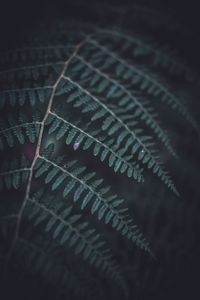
14	173
13	129
96	196
137	143
101	146
161	56
66	230
146	81
21	96
22	56
30	72
140	107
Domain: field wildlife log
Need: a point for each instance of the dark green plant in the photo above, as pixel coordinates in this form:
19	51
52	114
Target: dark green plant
80	93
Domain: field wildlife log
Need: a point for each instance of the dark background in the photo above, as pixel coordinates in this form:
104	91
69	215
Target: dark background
17	16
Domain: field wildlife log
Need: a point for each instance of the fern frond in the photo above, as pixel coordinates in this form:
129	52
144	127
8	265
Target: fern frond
142	108
87	190
22	96
146	81
30	72
89	94
82	97
12	130
86	138
66	228
138	46
135	138
20	56
14	173
161	56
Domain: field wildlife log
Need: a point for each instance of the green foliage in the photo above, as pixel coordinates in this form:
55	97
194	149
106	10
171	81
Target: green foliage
89	96
14	173
102	145
22	96
86	189
13	130
67	228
